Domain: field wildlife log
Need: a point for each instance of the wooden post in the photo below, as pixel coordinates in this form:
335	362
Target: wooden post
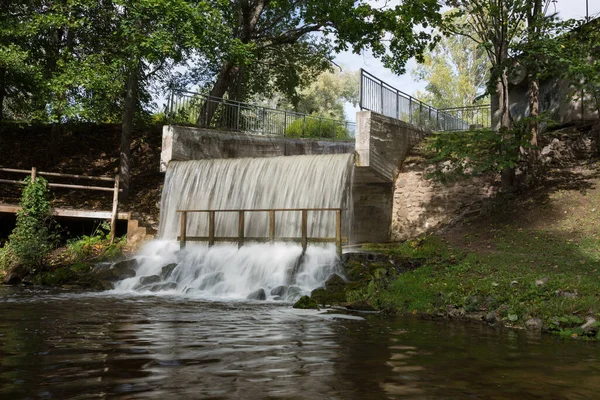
338	232
33	174
304	230
211	228
182	232
241	230
272	225
115	208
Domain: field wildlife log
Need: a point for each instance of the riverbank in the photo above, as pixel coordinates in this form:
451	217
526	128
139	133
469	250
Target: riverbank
531	261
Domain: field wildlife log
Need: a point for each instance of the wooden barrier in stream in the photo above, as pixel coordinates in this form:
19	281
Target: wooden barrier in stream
240	239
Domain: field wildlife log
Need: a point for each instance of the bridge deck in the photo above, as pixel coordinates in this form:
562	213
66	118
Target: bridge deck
71	213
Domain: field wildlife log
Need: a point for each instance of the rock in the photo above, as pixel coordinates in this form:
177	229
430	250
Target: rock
293	293
569	295
163	286
329	297
149	280
257	295
514	283
306	303
361	305
533	324
590	328
491	317
454	312
210	280
15	276
115	272
335	281
541	282
167	270
279	291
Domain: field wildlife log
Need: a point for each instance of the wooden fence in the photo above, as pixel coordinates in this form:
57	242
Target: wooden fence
114	189
241	238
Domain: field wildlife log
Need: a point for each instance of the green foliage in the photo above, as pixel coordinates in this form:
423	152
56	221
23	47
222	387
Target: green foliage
96	246
33	237
315	127
456	72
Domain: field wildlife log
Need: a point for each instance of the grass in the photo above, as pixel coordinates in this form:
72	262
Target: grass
525	274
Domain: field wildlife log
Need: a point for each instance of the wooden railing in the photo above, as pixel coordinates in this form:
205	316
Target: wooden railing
241	238
114	189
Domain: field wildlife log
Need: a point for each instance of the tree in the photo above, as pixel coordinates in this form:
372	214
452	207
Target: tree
274	46
494	25
327	95
150	38
456	72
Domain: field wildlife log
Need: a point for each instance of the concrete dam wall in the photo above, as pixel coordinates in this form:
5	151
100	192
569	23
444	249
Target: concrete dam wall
391	199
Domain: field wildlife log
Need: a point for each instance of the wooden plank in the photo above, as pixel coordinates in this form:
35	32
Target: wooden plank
304	230
211	228
25	171
272	225
70	213
115	208
234	239
64	185
241	226
338	232
182	237
13	181
262	210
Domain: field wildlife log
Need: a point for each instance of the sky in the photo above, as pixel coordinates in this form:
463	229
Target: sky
566	9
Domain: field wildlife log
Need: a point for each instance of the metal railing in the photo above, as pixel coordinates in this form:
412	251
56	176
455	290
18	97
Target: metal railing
378	96
114	189
217	113
304	239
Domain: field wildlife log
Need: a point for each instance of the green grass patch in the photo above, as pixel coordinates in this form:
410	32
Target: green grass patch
523	274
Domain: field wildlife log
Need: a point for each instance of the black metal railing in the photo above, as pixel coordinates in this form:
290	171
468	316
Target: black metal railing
378	96
217	113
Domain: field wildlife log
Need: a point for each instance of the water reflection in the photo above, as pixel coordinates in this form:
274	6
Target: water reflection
58	345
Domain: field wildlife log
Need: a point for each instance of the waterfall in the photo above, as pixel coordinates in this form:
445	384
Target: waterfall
224	271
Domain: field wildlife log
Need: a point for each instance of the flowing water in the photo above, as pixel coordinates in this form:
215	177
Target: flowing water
78	345
321	181
282	271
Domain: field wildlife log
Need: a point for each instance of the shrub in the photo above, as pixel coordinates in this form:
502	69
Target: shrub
313	127
33	238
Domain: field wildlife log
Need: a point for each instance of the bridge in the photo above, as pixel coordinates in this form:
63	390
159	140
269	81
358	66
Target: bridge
392	201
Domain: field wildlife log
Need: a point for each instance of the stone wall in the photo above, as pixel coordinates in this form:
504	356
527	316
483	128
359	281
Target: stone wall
421	204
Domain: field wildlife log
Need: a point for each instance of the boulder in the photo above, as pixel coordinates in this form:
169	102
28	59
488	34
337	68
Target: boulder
15	275
163	286
533	324
257	295
115	272
293	293
279	291
361	305
590	328
210	280
306	303
167	270
334	282
149	280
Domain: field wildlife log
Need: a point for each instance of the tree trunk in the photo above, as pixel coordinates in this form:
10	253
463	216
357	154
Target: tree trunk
534	112
507	173
127	128
208	109
2	91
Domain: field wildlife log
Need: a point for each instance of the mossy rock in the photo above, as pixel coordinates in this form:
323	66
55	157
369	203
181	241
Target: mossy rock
329	297
306	303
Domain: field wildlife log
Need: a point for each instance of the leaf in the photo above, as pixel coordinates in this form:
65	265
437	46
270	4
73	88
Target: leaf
513	317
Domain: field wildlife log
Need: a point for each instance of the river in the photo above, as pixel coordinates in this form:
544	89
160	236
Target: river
81	345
